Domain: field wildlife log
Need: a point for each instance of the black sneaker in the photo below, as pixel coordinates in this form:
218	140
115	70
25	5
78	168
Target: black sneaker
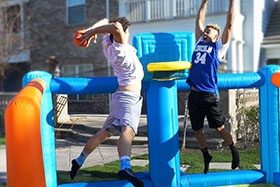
235	159
127	174
207	161
74	169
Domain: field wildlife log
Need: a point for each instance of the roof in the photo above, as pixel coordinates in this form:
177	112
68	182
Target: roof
272	35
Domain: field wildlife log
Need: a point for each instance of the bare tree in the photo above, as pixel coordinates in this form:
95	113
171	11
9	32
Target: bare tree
15	38
11	40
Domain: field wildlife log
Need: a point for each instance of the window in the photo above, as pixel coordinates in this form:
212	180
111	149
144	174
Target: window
273	61
81	70
11	27
11	19
76	13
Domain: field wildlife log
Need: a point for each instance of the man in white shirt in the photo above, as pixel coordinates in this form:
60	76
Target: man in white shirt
126	102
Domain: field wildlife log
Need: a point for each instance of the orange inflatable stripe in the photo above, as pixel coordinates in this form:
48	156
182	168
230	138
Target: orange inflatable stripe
275	79
23	137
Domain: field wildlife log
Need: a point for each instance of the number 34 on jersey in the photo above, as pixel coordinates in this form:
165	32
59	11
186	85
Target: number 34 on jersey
201	53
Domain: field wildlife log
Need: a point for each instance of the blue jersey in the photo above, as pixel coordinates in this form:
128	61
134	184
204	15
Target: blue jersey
204	70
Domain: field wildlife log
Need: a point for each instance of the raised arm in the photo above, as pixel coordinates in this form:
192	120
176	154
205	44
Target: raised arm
98	24
229	24
199	23
113	28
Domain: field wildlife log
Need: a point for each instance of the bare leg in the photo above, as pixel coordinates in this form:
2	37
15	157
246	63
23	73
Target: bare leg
201	139
228	139
92	143
125	141
95	140
225	135
124	150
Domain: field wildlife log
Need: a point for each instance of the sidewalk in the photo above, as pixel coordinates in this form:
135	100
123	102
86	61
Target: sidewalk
3	168
66	150
69	148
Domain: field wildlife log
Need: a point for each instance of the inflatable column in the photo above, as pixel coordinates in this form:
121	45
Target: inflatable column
269	120
163	134
23	137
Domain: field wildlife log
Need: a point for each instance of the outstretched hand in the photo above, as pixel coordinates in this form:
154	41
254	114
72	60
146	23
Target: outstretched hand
88	36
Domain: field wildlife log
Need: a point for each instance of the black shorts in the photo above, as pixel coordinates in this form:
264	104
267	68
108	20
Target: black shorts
203	104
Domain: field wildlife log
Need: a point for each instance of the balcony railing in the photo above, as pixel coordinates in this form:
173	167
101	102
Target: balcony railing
148	10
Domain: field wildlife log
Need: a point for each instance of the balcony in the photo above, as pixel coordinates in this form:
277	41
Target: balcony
152	10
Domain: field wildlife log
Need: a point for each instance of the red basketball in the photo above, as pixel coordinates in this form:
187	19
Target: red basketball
78	40
275	79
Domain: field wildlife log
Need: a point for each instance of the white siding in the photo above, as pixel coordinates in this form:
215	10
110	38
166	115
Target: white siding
249	29
247	11
267	53
162	26
272	53
188	24
258	33
267	12
176	25
257	14
235	53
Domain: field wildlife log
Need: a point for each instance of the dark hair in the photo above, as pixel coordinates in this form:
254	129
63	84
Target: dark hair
214	26
122	20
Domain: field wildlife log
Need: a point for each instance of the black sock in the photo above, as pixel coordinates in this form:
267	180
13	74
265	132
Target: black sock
235	156
207	159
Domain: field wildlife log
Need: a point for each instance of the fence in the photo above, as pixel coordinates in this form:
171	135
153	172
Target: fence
149	10
5	98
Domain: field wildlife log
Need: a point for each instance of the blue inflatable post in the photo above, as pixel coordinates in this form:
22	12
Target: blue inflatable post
269	120
163	135
162	111
277	178
228	81
163	47
94	85
47	126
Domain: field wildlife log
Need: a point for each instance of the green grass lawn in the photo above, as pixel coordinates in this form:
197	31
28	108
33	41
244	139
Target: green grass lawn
2	140
193	158
247	159
190	157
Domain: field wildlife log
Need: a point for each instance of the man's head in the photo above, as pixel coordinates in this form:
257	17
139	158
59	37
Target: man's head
123	21
211	33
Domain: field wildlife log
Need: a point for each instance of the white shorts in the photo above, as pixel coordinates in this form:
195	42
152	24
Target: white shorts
125	110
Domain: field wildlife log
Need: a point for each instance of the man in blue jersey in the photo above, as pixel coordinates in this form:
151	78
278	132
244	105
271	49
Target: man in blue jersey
204	97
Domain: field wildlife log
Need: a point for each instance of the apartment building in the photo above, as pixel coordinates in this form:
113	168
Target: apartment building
44	31
246	53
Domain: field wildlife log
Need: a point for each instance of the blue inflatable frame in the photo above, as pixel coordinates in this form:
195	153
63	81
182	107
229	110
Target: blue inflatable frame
162	115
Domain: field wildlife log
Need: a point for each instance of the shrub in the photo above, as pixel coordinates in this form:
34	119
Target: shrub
248	126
